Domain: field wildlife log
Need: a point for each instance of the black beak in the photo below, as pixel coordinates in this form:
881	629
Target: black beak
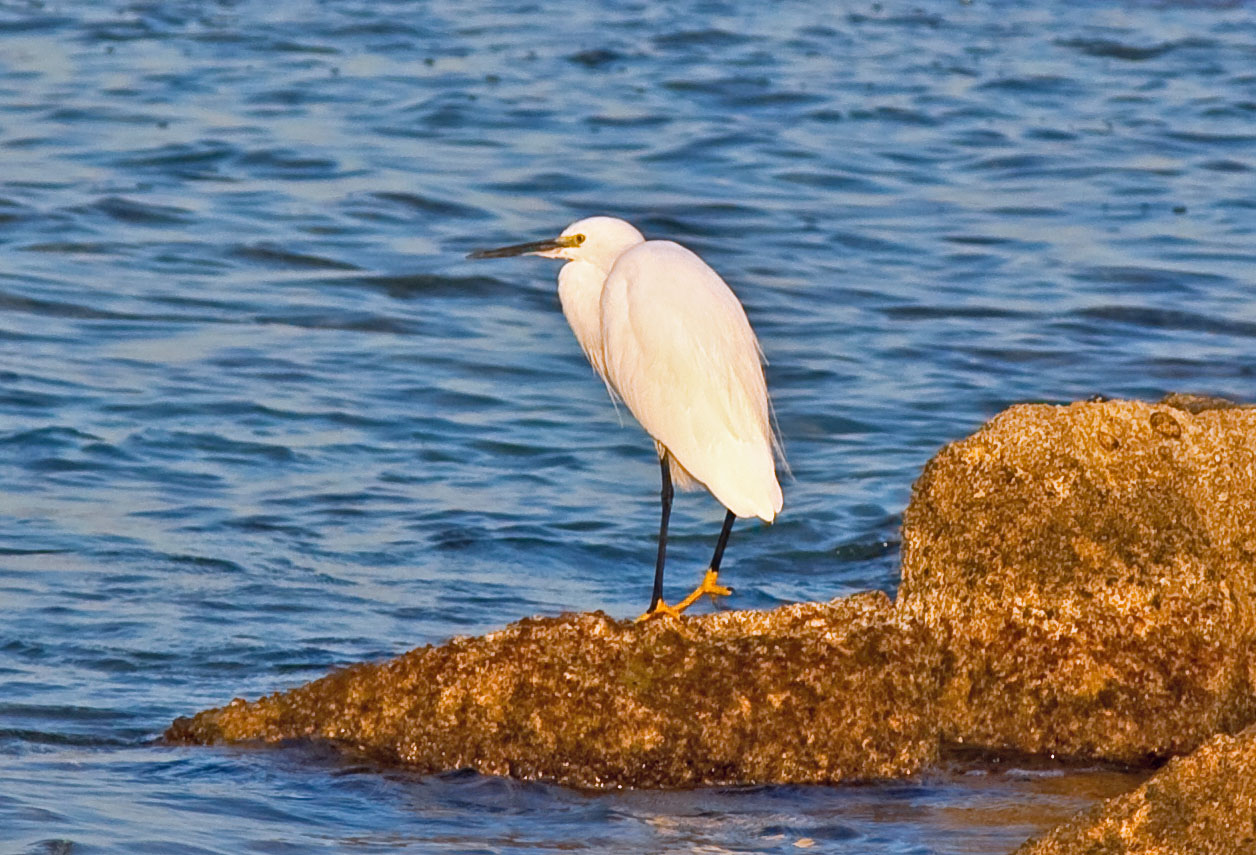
519	249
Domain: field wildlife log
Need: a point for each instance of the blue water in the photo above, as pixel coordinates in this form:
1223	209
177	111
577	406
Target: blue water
260	418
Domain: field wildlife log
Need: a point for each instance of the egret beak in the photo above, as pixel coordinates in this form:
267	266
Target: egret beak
536	246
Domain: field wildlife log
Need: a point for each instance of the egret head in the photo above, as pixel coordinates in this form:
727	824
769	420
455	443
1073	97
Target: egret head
595	240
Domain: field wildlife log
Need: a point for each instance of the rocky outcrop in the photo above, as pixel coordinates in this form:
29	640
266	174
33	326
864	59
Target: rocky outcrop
1077	581
1090	572
808	693
1204	804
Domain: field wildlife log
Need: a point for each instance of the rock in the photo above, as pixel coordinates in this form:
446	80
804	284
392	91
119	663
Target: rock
1204	804
1089	571
1077	580
806	693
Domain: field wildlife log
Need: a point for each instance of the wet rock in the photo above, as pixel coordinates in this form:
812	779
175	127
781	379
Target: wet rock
1204	804
806	693
1089	572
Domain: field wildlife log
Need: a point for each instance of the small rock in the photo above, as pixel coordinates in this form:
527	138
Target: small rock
1197	403
1204	804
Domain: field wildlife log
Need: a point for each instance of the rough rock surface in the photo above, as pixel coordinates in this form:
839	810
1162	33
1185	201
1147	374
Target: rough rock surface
1204	804
806	693
1089	571
1077	580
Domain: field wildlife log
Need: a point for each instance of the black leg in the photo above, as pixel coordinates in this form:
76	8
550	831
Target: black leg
723	541
657	596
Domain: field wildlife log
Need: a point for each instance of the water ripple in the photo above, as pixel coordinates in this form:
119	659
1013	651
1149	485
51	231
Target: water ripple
260	417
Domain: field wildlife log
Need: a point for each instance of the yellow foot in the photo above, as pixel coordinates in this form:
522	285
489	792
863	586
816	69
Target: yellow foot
661	610
710	587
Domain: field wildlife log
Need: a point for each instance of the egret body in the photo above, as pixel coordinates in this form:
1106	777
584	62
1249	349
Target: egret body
670	339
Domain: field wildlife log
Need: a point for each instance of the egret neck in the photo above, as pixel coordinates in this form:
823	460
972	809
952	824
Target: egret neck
581	279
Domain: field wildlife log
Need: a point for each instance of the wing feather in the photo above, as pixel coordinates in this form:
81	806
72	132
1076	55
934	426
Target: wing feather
681	355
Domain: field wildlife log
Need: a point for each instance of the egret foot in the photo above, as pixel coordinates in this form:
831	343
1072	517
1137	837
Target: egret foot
710	587
660	610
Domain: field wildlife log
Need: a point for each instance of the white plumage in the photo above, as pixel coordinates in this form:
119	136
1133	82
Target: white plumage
680	353
671	340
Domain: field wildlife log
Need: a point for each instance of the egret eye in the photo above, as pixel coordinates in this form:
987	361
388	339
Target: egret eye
576	240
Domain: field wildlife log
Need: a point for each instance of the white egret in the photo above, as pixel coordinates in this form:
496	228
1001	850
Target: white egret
670	339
